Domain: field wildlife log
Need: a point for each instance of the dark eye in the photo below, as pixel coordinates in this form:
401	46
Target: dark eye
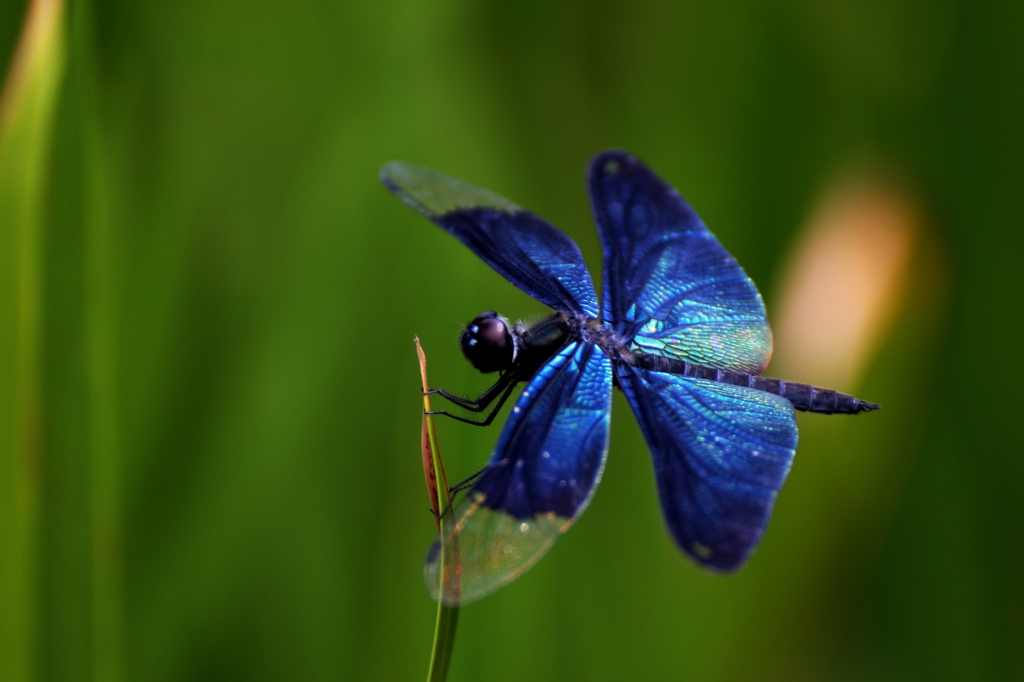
487	343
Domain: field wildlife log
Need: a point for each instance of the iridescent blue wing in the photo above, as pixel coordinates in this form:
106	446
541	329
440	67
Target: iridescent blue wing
523	248
721	453
669	286
540	478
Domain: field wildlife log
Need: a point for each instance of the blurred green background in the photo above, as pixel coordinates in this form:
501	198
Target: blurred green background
210	404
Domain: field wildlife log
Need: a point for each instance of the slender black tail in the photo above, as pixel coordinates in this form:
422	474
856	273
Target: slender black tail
813	399
803	396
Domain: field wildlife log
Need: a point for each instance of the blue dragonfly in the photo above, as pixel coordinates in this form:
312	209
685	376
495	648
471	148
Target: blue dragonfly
681	330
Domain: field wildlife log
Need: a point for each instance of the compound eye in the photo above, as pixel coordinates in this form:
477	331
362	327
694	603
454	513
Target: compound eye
487	343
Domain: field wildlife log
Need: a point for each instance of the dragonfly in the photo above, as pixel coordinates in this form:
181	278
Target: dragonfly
680	329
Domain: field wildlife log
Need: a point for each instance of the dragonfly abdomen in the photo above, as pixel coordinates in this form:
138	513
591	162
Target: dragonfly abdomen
813	398
804	397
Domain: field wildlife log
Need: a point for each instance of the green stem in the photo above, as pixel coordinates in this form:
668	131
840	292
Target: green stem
447	616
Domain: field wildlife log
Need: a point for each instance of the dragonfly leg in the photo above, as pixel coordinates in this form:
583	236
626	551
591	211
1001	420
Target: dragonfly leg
486	420
480	403
462	485
471	404
456	489
501	390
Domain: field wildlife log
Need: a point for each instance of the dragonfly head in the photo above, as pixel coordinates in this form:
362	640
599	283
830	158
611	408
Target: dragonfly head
488	343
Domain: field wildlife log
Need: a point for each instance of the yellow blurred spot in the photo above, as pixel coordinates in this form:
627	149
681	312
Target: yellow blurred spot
38	49
701	550
845	282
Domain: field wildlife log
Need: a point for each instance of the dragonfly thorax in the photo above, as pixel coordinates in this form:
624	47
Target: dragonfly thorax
488	343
